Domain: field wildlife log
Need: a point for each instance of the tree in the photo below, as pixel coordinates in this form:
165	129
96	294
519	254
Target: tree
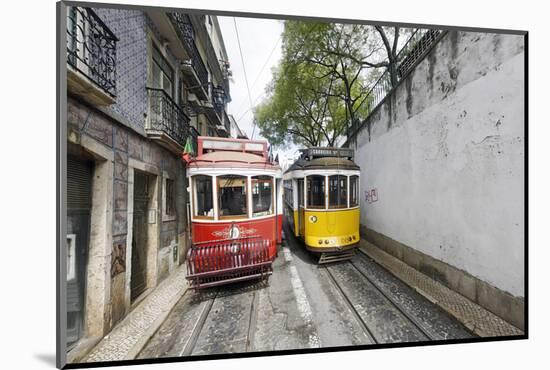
300	108
323	83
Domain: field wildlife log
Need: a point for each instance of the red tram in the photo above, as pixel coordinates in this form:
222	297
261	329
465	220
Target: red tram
236	211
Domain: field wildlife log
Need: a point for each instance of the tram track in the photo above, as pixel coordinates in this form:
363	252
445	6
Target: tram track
252	322
197	329
396	304
353	306
349	303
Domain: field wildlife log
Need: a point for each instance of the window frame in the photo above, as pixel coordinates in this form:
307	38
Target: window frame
356	191
165	215
154	47
307	200
338	189
246	196
194	210
170	197
301	194
272	180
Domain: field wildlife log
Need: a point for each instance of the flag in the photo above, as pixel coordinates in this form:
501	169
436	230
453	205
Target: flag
187	150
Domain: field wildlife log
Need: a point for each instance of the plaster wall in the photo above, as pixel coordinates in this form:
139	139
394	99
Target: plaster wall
445	156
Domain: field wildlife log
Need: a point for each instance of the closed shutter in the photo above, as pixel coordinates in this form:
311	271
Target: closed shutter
79	204
79	185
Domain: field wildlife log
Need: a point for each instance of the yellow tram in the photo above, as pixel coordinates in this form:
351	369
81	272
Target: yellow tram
321	196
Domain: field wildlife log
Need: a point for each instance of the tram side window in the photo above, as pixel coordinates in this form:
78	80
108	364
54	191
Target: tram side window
354	191
288	192
316	191
232	199
338	191
301	192
262	195
204	205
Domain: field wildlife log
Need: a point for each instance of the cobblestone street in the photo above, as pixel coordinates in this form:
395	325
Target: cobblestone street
303	306
371	299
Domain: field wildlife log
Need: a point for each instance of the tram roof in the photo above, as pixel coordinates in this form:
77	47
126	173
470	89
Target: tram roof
216	152
323	163
231	159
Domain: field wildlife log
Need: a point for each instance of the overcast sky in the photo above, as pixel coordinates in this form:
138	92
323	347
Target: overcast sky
261	50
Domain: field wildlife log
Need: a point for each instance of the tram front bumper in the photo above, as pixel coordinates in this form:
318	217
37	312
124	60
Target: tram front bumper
332	244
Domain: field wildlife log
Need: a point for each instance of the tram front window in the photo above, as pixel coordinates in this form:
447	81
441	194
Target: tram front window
354	191
232	196
262	195
316	191
203	196
338	191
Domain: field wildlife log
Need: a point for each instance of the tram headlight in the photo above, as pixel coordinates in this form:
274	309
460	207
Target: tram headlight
313	219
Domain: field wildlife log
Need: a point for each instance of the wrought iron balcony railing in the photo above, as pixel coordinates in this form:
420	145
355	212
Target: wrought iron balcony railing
186	33
91	48
167	117
218	99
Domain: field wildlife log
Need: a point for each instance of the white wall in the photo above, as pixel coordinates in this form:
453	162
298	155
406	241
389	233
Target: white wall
449	170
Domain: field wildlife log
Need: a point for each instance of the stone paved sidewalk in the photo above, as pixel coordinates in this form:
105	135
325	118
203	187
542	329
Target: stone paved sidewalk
477	319
129	336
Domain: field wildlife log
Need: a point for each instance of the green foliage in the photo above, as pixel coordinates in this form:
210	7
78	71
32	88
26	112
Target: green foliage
321	84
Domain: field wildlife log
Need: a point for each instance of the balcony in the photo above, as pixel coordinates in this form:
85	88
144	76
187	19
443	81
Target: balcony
224	128
167	121
194	70
91	57
215	109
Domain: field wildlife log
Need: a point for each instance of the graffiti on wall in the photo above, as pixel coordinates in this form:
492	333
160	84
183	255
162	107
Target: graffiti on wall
371	196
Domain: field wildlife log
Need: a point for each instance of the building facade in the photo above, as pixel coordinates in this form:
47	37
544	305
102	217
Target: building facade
141	86
234	129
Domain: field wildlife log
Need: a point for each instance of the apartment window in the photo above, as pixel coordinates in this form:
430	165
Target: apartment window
232	198
170	204
184	94
338	191
204	199
162	73
316	191
262	195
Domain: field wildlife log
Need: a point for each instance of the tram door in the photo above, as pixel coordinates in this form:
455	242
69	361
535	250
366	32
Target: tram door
139	235
79	204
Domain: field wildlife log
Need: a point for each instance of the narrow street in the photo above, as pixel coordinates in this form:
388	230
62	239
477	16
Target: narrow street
304	305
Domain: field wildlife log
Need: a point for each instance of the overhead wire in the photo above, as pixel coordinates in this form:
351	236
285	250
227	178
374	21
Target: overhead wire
259	75
244	71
